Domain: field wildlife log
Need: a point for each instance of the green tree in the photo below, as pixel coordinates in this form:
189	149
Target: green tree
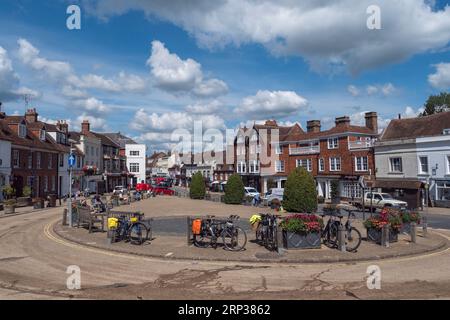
300	194
436	104
234	190
26	192
197	190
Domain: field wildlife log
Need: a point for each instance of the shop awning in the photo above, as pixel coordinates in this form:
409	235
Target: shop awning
397	184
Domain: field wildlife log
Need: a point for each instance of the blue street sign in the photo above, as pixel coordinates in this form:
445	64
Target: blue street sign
71	160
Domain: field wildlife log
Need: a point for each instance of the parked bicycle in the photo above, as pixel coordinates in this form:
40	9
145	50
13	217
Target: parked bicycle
234	238
266	232
133	230
330	231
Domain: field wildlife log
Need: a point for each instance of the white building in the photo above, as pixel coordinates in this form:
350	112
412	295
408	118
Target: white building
136	161
413	153
91	147
5	162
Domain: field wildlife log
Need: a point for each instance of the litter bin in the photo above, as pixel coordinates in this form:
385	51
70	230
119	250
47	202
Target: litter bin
52	200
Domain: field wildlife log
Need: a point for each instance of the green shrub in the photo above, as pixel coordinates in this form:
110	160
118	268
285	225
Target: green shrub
234	190
334	189
300	193
26	192
9	191
197	190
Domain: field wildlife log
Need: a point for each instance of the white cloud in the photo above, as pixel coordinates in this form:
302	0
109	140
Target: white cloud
409	112
353	90
386	89
157	128
97	124
173	74
272	104
29	55
92	106
10	81
371	90
440	79
304	28
211	88
204	108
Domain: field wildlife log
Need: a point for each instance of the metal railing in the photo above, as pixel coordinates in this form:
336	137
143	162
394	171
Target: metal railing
304	150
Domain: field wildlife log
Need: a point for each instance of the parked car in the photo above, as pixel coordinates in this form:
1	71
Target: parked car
119	190
250	191
142	187
274	194
162	190
379	200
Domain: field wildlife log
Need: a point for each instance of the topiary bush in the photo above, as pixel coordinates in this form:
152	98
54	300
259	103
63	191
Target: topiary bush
197	190
300	194
234	190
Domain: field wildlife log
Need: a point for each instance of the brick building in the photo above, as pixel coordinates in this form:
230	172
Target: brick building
266	154
34	155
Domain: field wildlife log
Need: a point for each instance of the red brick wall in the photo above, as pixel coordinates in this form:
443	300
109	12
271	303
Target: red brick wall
22	172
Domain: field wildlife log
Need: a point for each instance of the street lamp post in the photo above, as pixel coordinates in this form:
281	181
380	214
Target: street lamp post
71	162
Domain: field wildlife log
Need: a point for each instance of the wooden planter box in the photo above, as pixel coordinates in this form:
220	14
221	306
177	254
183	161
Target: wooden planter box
374	235
38	204
9	209
293	240
24	202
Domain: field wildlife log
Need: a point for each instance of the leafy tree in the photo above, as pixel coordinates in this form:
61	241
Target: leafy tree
300	194
334	189
197	190
234	190
26	192
436	104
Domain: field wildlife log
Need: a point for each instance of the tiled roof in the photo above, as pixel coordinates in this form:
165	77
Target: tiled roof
433	125
120	139
105	140
333	131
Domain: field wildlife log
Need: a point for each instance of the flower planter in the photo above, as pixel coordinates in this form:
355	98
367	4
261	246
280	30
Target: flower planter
9	209
406	228
23	202
374	235
294	240
38	204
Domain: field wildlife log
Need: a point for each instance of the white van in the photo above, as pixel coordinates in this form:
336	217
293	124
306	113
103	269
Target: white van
250	191
274	194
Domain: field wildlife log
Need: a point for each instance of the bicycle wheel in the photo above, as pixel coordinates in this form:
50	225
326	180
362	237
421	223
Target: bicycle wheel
234	238
258	233
137	233
332	235
352	239
202	240
272	238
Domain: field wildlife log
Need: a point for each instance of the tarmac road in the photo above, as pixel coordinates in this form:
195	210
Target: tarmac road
33	264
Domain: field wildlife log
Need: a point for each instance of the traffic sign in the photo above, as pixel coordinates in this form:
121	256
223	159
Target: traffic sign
72	160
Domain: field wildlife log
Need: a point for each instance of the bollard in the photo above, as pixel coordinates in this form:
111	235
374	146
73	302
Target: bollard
385	236
64	220
425	227
341	238
413	231
280	246
189	231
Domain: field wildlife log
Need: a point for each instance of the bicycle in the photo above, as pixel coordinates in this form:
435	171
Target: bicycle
234	238
266	233
133	230
330	232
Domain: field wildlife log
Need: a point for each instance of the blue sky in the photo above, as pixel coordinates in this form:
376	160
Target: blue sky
147	68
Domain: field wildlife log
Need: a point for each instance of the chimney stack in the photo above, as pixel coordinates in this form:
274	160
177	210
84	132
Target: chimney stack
31	115
271	123
372	121
313	126
342	121
85	127
62	126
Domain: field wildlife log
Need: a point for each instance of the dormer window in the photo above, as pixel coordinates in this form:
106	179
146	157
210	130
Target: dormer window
22	130
42	135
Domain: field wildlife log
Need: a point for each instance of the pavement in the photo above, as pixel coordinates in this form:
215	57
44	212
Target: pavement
34	261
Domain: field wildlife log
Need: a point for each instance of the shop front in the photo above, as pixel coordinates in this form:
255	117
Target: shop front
410	191
440	191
